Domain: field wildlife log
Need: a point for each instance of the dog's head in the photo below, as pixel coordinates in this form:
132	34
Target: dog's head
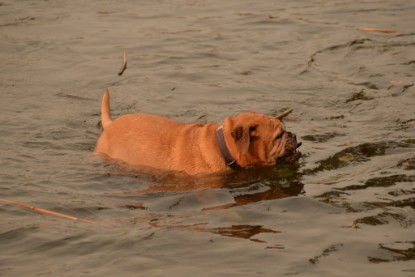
257	140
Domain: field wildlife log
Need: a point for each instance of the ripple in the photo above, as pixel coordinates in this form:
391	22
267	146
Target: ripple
361	153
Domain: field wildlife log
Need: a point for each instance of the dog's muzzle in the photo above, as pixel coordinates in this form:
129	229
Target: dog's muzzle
291	154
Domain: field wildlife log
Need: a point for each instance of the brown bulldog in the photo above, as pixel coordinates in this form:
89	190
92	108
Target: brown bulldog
245	140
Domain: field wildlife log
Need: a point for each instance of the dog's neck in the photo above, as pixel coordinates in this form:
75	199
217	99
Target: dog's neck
229	160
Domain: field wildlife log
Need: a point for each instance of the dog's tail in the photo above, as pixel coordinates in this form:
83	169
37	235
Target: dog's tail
105	110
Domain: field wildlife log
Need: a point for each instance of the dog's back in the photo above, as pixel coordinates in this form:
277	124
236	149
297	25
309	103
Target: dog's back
153	141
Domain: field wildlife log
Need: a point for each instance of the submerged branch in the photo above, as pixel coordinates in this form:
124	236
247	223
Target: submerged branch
44	211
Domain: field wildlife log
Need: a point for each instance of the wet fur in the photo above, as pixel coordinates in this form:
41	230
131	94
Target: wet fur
164	144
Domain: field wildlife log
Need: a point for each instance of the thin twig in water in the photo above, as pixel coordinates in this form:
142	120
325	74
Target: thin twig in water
124	64
377	30
44	211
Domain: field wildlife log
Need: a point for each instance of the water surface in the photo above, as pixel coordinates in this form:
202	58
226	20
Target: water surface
346	209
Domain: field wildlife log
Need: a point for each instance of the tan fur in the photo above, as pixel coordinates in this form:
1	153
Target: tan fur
145	140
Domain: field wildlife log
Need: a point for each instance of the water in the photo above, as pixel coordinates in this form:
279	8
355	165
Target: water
346	209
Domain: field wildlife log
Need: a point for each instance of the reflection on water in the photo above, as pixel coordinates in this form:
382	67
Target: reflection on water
362	153
234	231
326	252
171	222
243	187
398	251
347	208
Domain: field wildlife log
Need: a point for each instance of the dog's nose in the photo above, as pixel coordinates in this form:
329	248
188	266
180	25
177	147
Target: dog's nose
298	144
291	136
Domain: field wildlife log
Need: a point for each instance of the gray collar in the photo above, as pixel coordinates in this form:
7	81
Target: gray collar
229	160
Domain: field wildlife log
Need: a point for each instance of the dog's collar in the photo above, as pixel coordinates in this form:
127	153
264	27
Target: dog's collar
229	160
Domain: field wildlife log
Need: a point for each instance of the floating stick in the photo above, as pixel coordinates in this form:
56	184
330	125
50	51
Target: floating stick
284	114
44	211
377	30
124	64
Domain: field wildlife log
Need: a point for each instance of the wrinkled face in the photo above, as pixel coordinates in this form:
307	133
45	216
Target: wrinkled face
257	140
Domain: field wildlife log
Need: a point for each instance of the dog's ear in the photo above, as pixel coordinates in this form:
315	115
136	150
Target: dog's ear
243	136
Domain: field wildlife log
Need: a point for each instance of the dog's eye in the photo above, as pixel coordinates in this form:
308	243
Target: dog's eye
279	136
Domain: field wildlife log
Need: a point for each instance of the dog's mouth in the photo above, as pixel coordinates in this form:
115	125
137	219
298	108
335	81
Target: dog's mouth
291	153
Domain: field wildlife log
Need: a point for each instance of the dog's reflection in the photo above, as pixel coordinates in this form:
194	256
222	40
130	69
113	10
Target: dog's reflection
243	188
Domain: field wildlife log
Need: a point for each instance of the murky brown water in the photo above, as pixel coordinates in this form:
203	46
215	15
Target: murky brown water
347	209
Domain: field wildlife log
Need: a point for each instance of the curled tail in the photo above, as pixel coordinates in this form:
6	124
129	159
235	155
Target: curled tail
105	110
